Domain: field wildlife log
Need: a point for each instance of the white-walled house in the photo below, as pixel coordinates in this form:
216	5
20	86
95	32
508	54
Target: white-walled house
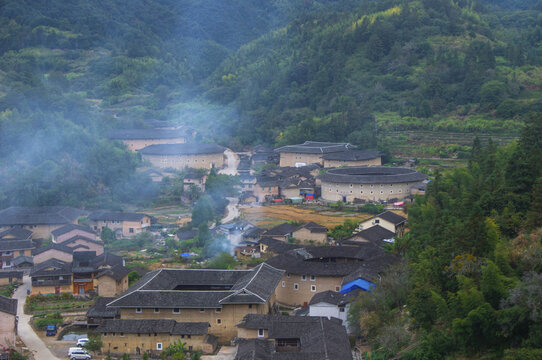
332	304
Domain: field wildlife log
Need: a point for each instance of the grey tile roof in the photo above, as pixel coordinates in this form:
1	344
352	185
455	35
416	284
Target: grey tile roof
182	149
330	297
352	155
375	234
8	305
391	217
19	260
103	215
319	338
280	230
372	175
161	326
11	274
186	234
289	177
177	288
39	215
255	349
11	245
101	310
278	246
58	267
80	237
145	134
17	232
53	246
70	227
117	272
313	227
314	147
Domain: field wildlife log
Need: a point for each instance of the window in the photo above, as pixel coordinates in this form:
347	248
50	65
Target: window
296	286
313	278
131	230
261	332
303	277
121	334
156	310
337	288
351	185
377	221
341	308
218	321
139	310
313	288
158	346
201	310
218	310
250	306
284	284
288	275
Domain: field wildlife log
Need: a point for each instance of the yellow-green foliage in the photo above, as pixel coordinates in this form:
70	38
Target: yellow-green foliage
49	30
394	11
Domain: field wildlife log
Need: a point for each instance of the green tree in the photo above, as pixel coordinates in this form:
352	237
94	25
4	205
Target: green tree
107	235
492	285
94	343
133	277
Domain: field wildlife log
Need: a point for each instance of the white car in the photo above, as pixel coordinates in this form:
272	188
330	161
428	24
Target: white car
80	356
81	342
78	350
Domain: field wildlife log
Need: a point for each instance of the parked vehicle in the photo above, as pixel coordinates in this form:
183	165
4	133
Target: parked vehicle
80	356
50	330
73	350
81	342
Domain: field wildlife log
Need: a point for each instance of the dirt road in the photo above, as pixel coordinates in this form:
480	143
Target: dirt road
27	334
232	163
232	210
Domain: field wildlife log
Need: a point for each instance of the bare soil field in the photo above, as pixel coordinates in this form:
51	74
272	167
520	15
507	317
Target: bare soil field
267	216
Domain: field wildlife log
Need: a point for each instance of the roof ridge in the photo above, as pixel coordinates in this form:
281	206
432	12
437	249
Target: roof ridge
138	289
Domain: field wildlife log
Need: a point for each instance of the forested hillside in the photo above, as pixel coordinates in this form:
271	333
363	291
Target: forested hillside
471	286
245	72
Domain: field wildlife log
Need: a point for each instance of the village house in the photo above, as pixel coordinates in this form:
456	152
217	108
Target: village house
248	182
69	231
314	269
99	312
310	152
9	249
52	277
287	182
282	232
186	234
271	246
82	243
41	220
352	158
181	156
8	322
137	139
124	224
247	248
291	337
388	220
152	336
196	179
22	262
332	304
253	234
8	277
375	234
111	282
248	198
218	297
311	232
368	184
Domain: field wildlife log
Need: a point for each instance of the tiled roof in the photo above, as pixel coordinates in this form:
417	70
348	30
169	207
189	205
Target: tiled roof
278	246
58	267
70	227
313	227
17	232
39	215
19	260
182	149
101	310
117	272
177	288
8	305
391	217
80	237
375	234
314	147
53	246
372	175
280	230
161	326
145	134
10	245
103	215
352	155
186	234
11	274
319	338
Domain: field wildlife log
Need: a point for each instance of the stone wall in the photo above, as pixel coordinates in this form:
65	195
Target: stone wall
288	295
337	163
136	145
109	287
304	234
180	162
368	192
222	323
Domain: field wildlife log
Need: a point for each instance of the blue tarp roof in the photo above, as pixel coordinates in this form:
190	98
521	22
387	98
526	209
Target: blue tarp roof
357	284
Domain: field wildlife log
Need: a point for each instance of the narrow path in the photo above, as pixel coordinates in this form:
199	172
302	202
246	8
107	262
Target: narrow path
232	211
25	331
